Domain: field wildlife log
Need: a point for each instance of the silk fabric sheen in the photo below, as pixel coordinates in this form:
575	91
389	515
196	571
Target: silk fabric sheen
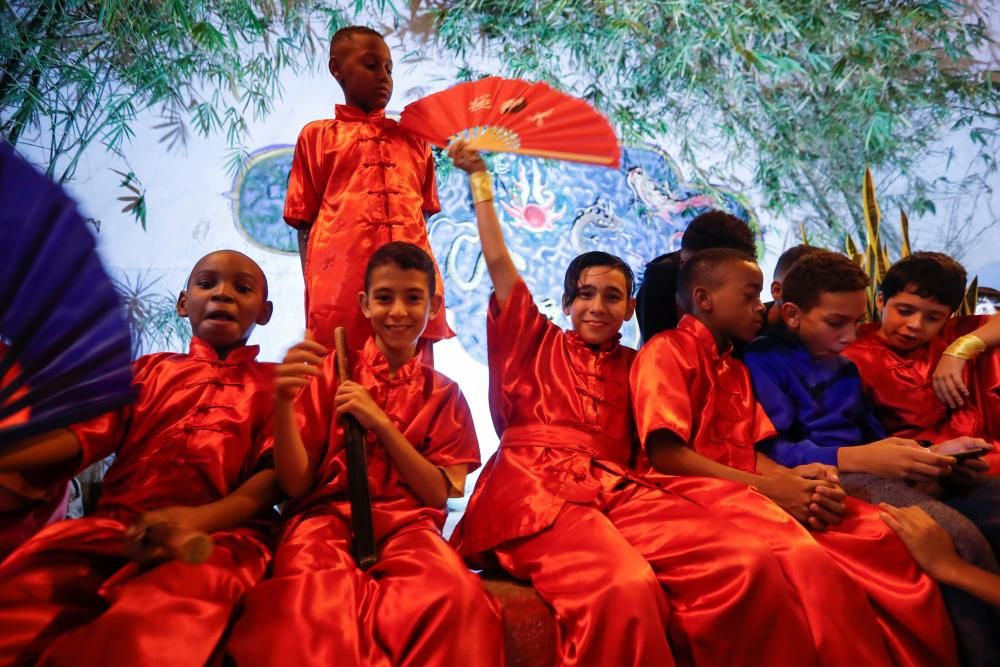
624	564
318	608
196	432
899	385
361	182
866	599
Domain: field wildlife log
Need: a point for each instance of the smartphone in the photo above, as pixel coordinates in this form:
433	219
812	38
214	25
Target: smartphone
976	453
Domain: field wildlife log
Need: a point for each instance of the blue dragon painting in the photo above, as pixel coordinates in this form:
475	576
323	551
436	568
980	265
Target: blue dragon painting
550	212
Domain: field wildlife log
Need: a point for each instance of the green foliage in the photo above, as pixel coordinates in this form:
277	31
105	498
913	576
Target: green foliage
811	90
75	73
135	201
152	315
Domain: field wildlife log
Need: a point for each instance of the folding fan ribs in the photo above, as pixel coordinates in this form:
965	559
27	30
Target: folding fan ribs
513	116
64	342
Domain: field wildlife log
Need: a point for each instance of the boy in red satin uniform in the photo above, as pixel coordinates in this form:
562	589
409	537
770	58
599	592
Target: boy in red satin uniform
815	400
418	605
358	181
189	454
696	415
930	376
636	575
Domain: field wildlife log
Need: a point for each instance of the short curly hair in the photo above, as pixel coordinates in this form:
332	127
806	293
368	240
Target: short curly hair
818	273
350	31
792	255
704	270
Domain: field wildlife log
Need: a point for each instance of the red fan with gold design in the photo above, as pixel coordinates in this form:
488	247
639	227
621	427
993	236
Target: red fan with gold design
513	116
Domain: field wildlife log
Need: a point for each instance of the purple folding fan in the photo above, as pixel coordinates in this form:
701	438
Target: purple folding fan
64	341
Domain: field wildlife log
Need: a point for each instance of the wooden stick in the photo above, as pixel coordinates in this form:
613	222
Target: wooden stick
357	470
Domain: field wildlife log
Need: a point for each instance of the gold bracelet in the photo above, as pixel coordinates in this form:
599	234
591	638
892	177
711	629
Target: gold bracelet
481	185
967	347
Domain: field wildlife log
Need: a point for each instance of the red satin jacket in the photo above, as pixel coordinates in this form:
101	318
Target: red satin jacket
427	408
561	410
680	382
197	431
361	182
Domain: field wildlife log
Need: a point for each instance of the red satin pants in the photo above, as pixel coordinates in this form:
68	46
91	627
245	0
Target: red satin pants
68	597
418	606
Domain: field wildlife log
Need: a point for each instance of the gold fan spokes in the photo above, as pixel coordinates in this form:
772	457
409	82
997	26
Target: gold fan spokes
488	138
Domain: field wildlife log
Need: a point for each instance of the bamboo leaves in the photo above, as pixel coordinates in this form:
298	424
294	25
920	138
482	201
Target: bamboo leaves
803	90
74	75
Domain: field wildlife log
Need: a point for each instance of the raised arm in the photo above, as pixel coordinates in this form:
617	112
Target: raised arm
503	273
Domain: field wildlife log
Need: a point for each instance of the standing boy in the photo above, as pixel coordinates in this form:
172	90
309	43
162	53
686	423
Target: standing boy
358	181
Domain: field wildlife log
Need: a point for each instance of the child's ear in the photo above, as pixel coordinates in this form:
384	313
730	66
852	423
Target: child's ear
792	315
265	312
879	301
334	66
436	303
363	302
630	309
702	299
776	290
182	304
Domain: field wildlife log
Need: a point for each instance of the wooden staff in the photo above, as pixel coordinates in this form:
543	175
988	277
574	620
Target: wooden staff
357	470
188	546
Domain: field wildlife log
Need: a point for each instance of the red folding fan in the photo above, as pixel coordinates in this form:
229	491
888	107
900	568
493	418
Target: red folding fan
513	116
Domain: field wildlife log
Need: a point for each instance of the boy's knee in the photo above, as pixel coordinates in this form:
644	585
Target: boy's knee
627	587
758	562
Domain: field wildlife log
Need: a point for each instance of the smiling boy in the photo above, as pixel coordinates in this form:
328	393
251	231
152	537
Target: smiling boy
319	607
637	575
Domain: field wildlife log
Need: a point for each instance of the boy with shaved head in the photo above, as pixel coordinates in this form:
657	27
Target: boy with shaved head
696	415
358	182
189	457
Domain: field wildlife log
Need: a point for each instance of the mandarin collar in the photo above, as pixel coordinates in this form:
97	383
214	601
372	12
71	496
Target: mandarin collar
373	357
869	334
695	327
201	350
607	346
351	114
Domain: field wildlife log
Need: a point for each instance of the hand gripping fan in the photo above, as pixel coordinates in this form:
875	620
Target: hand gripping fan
509	115
64	341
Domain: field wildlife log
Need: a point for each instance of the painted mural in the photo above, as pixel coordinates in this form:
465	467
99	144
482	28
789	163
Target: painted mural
550	212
